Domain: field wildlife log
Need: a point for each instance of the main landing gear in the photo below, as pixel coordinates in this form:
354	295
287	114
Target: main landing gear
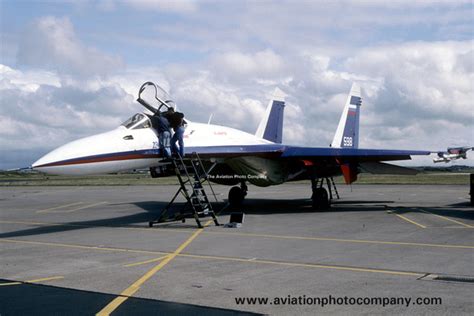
321	198
237	195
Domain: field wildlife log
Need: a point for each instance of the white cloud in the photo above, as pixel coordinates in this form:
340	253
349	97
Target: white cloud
51	43
429	80
200	96
26	80
262	64
39	110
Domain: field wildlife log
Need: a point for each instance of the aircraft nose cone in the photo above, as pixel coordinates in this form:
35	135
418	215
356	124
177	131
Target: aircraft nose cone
36	163
46	160
77	157
55	161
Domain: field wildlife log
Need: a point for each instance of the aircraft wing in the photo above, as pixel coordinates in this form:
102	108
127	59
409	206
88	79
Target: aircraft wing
327	160
266	150
351	154
311	153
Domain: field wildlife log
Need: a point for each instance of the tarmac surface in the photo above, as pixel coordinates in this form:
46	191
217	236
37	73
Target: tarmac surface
84	250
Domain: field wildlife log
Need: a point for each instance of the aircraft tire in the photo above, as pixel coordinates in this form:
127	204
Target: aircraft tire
320	199
236	196
154	173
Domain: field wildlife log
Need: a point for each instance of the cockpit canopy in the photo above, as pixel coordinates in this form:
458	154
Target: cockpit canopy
137	121
154	98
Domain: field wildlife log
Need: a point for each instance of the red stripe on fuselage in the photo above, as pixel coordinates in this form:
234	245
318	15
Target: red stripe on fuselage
98	159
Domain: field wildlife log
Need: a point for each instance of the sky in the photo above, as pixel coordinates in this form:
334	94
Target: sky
70	69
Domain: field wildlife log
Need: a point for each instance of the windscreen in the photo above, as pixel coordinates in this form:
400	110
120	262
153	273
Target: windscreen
144	124
133	120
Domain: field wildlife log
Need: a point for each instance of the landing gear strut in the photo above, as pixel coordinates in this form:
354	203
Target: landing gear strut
237	195
321	198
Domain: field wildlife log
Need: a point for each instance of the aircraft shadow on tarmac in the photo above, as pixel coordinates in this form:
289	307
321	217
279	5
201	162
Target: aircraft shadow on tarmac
39	299
466	204
250	206
271	206
122	221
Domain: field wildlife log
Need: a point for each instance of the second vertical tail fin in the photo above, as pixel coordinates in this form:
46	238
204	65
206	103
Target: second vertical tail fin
347	133
271	125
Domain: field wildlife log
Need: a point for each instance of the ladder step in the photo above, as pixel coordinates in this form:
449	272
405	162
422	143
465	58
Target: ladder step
191	175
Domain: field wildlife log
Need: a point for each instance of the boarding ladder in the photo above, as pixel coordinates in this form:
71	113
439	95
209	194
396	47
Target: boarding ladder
192	176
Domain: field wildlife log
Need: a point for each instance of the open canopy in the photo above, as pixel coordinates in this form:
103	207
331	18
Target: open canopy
154	98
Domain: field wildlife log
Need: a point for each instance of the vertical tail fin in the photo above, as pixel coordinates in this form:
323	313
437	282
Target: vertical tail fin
271	125
347	133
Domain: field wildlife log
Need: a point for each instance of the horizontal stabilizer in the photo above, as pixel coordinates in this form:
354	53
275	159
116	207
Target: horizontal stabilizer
385	168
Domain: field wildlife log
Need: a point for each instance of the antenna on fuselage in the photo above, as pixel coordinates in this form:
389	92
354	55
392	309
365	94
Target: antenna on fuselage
210	118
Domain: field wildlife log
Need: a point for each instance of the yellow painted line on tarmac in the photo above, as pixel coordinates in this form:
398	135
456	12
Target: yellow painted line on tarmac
254	260
132	289
145	262
447	218
96	226
305	265
32	281
28	223
98	248
84	207
362	241
58	207
406	218
74	209
452	227
170	256
410	221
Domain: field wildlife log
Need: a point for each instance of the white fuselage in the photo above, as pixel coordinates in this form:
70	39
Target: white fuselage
132	147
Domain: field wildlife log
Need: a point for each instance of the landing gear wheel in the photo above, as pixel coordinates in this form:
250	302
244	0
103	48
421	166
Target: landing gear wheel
236	196
320	199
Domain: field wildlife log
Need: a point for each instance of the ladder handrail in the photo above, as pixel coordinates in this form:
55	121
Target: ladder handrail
191	182
206	173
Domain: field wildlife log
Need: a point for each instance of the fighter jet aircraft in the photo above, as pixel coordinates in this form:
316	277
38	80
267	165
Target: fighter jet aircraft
452	153
238	157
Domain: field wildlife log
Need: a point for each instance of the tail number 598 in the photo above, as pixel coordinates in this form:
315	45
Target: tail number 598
347	142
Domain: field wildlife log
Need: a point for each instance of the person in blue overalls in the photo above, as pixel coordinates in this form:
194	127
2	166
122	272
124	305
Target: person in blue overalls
177	122
161	124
